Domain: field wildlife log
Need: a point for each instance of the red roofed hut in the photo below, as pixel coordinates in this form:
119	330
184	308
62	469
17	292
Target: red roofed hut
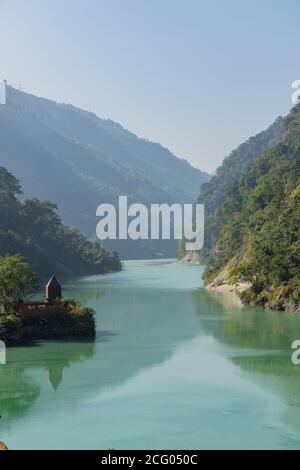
52	292
52	289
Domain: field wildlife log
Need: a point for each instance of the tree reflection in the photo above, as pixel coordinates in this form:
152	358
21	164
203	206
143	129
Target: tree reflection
260	342
18	387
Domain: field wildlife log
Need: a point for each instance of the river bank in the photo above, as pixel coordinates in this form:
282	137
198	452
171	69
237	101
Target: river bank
242	292
268	297
190	257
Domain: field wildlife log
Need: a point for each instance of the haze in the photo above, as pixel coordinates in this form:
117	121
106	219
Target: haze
199	77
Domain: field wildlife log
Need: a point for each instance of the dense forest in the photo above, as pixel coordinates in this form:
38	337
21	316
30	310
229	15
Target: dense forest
260	218
78	161
33	229
213	193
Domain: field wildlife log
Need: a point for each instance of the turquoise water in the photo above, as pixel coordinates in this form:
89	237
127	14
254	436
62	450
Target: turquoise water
173	367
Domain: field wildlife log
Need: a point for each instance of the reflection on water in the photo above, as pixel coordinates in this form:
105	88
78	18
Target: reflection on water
172	366
19	389
18	392
264	341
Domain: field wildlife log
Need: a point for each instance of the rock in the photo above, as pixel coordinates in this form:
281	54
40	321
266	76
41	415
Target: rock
191	257
221	280
3	446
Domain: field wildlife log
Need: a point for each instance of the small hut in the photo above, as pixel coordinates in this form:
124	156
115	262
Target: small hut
52	292
52	289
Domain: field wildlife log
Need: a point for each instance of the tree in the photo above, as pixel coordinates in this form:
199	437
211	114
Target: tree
16	282
33	229
9	183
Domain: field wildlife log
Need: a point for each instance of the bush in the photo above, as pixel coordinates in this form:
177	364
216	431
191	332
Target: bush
64	318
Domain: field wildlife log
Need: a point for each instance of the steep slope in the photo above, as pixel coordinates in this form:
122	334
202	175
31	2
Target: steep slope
213	193
111	140
79	161
33	229
262	213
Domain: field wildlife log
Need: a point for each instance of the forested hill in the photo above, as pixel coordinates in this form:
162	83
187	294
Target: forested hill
260	226
213	193
33	229
79	161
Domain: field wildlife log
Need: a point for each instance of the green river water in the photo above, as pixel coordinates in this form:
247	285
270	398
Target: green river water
173	367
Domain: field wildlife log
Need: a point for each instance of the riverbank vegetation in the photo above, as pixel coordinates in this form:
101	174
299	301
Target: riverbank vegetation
33	229
261	216
233	167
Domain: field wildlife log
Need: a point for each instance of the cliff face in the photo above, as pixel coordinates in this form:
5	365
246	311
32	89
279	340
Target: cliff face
257	244
222	281
190	257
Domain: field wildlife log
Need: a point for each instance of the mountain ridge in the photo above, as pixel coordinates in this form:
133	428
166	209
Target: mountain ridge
79	161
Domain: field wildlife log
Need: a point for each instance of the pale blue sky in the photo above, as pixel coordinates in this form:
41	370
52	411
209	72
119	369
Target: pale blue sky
198	76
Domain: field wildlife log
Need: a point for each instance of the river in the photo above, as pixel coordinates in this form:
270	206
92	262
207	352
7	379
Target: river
173	367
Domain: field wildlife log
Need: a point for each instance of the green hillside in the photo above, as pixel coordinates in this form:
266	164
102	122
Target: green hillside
33	229
213	193
262	214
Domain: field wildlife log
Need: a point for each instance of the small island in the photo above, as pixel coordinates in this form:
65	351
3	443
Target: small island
50	318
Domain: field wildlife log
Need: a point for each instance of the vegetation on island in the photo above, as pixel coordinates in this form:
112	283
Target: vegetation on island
63	319
261	213
60	318
34	244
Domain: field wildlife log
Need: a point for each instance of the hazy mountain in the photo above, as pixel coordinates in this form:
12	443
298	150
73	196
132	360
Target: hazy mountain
78	160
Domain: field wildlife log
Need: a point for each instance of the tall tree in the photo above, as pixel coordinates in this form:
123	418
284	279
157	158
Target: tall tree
16	282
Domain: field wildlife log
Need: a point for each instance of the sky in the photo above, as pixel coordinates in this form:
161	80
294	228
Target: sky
200	77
